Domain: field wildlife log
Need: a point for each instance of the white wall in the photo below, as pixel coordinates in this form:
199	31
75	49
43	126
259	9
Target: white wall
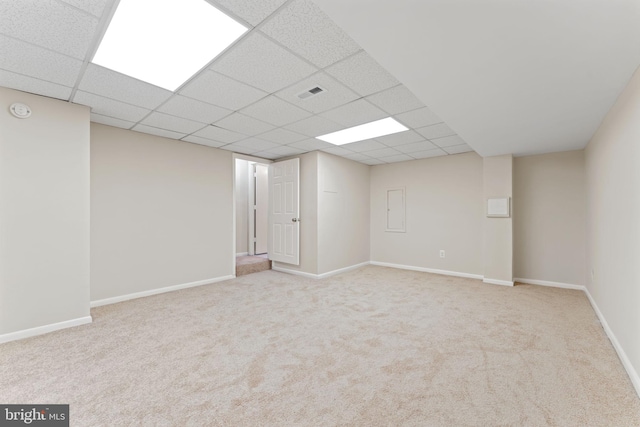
549	219
498	231
44	213
242	205
343	213
613	222
444	210
161	212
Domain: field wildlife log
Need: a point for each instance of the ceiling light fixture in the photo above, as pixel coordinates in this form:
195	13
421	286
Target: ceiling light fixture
366	131
165	42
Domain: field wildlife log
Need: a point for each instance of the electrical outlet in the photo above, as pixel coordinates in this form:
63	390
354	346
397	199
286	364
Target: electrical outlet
441	253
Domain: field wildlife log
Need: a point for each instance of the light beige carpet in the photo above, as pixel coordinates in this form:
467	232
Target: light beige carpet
250	264
373	347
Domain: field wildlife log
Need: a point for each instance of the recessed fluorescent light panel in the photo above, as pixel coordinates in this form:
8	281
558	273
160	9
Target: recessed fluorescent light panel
366	131
165	42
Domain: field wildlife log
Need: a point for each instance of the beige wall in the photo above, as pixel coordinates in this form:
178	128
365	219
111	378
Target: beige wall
444	210
613	230
550	217
498	232
308	216
343	213
242	205
44	213
161	212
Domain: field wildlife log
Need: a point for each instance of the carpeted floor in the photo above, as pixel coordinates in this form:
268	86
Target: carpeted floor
250	264
373	347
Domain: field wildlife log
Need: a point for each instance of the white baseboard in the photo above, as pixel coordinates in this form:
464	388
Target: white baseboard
319	276
633	375
40	330
498	282
135	295
242	254
550	284
342	270
428	270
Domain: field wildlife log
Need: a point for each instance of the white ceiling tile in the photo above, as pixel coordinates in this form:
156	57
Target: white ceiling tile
94	7
218	134
358	157
246	125
383	152
366	145
282	136
436	131
338	151
355	113
396	100
220	90
304	28
415	147
109	107
285	151
110	121
400	138
261	63
267	155
311	144
372	162
335	94
158	132
418	118
256	144
172	123
48	23
105	82
34	61
188	108
456	149
362	74
251	11
448	141
397	158
203	141
31	85
314	126
275	111
239	149
429	153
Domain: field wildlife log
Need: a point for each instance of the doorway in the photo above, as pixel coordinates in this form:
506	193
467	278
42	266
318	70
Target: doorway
252	200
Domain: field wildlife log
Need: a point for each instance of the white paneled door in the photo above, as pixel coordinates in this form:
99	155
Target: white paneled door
284	211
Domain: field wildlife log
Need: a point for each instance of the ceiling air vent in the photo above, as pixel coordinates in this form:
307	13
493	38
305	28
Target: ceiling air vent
311	92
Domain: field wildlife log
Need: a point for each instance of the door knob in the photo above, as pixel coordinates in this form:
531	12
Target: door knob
295	219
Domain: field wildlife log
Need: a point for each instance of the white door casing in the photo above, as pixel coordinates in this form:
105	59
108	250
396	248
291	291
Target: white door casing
261	208
284	211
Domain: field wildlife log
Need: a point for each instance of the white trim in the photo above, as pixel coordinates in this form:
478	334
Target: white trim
40	330
428	270
498	282
242	253
294	272
633	375
342	270
135	295
550	284
319	276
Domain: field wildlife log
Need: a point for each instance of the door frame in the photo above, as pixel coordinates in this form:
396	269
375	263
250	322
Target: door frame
233	174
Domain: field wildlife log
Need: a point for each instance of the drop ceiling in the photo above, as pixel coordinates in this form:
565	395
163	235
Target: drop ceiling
509	76
497	77
245	100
